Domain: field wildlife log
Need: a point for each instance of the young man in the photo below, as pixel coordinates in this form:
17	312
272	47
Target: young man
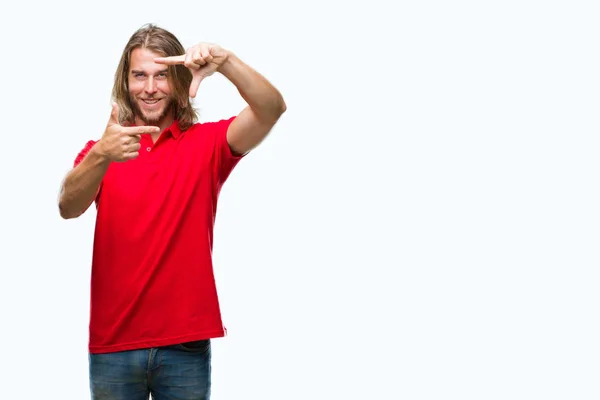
155	175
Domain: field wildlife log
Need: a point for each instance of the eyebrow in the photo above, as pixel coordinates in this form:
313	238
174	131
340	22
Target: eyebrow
162	71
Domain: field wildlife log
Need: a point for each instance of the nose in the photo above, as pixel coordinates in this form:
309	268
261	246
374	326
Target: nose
150	86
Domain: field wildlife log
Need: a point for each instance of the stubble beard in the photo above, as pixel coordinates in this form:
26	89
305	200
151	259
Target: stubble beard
153	120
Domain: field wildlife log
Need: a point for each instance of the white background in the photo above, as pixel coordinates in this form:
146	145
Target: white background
423	223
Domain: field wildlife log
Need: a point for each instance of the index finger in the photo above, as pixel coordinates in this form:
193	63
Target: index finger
140	130
173	60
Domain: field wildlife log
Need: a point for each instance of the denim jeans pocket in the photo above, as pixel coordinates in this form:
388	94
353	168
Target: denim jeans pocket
197	346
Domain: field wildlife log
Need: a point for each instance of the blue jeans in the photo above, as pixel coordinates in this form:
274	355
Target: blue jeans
180	371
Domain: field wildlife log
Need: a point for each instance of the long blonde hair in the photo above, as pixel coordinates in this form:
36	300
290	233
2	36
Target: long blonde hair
166	44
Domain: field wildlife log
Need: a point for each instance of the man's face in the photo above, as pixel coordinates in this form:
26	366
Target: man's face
149	89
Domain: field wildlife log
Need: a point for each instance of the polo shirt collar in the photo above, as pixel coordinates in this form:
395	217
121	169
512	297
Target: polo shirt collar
174	129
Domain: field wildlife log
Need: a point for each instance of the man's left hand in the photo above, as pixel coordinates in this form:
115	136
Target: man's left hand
202	59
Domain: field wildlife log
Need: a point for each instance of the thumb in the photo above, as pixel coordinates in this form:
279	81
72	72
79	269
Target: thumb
195	84
114	114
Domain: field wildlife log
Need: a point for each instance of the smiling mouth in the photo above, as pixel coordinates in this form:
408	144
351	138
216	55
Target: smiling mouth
150	101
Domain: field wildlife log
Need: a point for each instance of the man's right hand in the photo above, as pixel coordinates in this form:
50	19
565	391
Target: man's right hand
119	143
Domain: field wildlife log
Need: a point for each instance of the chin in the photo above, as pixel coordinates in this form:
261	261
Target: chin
155	117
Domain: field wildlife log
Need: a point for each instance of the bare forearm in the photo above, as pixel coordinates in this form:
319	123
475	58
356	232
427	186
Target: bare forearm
264	99
81	184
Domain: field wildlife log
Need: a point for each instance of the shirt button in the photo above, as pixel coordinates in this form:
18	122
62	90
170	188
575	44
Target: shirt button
147	148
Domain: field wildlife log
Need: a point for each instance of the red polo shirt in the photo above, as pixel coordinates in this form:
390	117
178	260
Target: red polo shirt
152	280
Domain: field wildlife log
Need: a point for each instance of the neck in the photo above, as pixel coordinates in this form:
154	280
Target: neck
165	122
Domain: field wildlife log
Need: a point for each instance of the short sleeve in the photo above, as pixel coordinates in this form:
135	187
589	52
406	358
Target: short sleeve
81	155
86	149
226	160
